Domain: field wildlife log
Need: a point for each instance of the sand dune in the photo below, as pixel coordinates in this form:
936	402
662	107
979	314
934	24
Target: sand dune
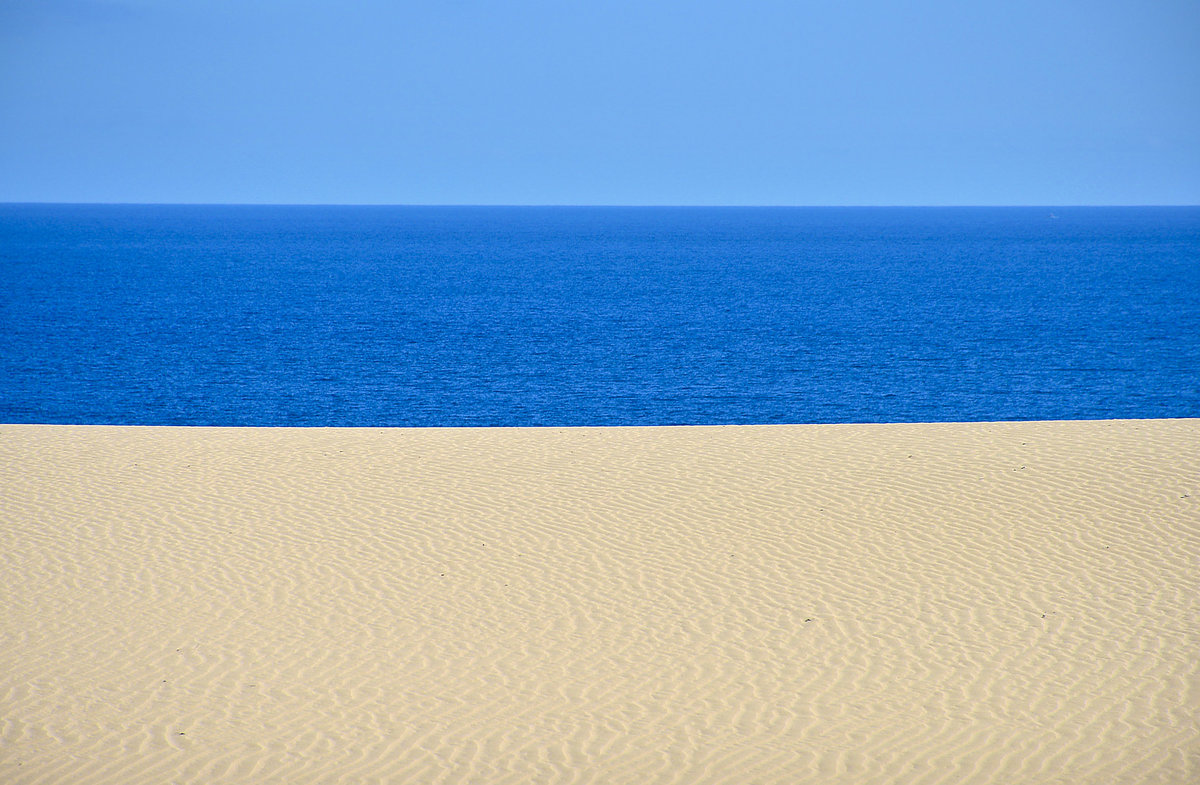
981	603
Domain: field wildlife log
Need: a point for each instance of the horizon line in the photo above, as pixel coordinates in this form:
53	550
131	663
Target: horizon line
581	205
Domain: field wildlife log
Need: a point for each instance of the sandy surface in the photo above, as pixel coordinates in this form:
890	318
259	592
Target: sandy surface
1002	603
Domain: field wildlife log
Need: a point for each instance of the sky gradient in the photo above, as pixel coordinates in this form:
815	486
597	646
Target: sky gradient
863	102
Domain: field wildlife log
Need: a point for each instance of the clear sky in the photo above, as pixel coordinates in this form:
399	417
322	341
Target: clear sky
768	102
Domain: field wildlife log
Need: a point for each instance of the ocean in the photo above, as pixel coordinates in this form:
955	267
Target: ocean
574	316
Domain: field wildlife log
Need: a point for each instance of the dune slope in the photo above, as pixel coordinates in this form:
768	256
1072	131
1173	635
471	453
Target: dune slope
943	603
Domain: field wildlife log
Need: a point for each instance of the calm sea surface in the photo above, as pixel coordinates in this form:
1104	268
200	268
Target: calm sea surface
428	316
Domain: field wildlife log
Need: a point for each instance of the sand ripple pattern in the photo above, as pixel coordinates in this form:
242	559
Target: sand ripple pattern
982	603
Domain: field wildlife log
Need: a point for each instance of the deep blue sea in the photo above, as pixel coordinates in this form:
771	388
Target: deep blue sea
495	316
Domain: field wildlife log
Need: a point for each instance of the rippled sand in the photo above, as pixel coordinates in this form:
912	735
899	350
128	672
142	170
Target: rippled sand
979	603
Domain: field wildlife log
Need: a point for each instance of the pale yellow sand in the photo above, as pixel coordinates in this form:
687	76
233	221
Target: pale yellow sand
1002	603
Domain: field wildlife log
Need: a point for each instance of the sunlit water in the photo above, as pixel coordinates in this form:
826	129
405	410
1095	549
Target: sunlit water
412	316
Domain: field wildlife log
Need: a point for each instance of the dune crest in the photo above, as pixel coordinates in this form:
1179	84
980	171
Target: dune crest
935	603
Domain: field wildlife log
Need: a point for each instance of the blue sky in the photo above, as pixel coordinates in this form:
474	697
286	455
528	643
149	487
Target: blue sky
523	102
